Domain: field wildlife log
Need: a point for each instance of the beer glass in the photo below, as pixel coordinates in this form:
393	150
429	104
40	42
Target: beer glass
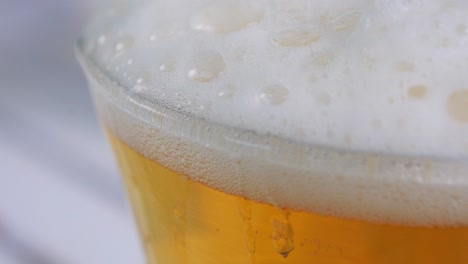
288	131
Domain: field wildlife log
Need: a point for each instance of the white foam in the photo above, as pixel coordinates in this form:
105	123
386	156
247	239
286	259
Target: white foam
378	76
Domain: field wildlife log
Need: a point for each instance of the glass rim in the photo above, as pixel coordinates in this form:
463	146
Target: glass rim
152	104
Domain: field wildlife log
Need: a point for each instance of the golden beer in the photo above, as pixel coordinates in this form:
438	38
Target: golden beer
288	131
184	221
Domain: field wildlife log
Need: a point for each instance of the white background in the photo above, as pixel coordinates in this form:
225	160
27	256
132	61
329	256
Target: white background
61	200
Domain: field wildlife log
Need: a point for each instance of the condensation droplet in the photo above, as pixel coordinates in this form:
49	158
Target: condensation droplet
345	21
405	66
168	65
102	40
457	106
274	94
245	209
119	46
417	91
123	44
178	214
207	66
130	62
138	88
282	235
296	37
227	92
223	17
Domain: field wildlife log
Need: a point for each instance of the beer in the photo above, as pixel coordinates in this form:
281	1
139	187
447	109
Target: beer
288	131
184	221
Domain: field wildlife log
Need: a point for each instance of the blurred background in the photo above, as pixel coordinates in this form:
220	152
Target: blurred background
61	200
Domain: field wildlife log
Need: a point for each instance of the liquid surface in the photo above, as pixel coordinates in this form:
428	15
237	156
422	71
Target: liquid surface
182	221
386	76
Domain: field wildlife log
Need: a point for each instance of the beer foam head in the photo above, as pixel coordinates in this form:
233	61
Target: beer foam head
373	75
